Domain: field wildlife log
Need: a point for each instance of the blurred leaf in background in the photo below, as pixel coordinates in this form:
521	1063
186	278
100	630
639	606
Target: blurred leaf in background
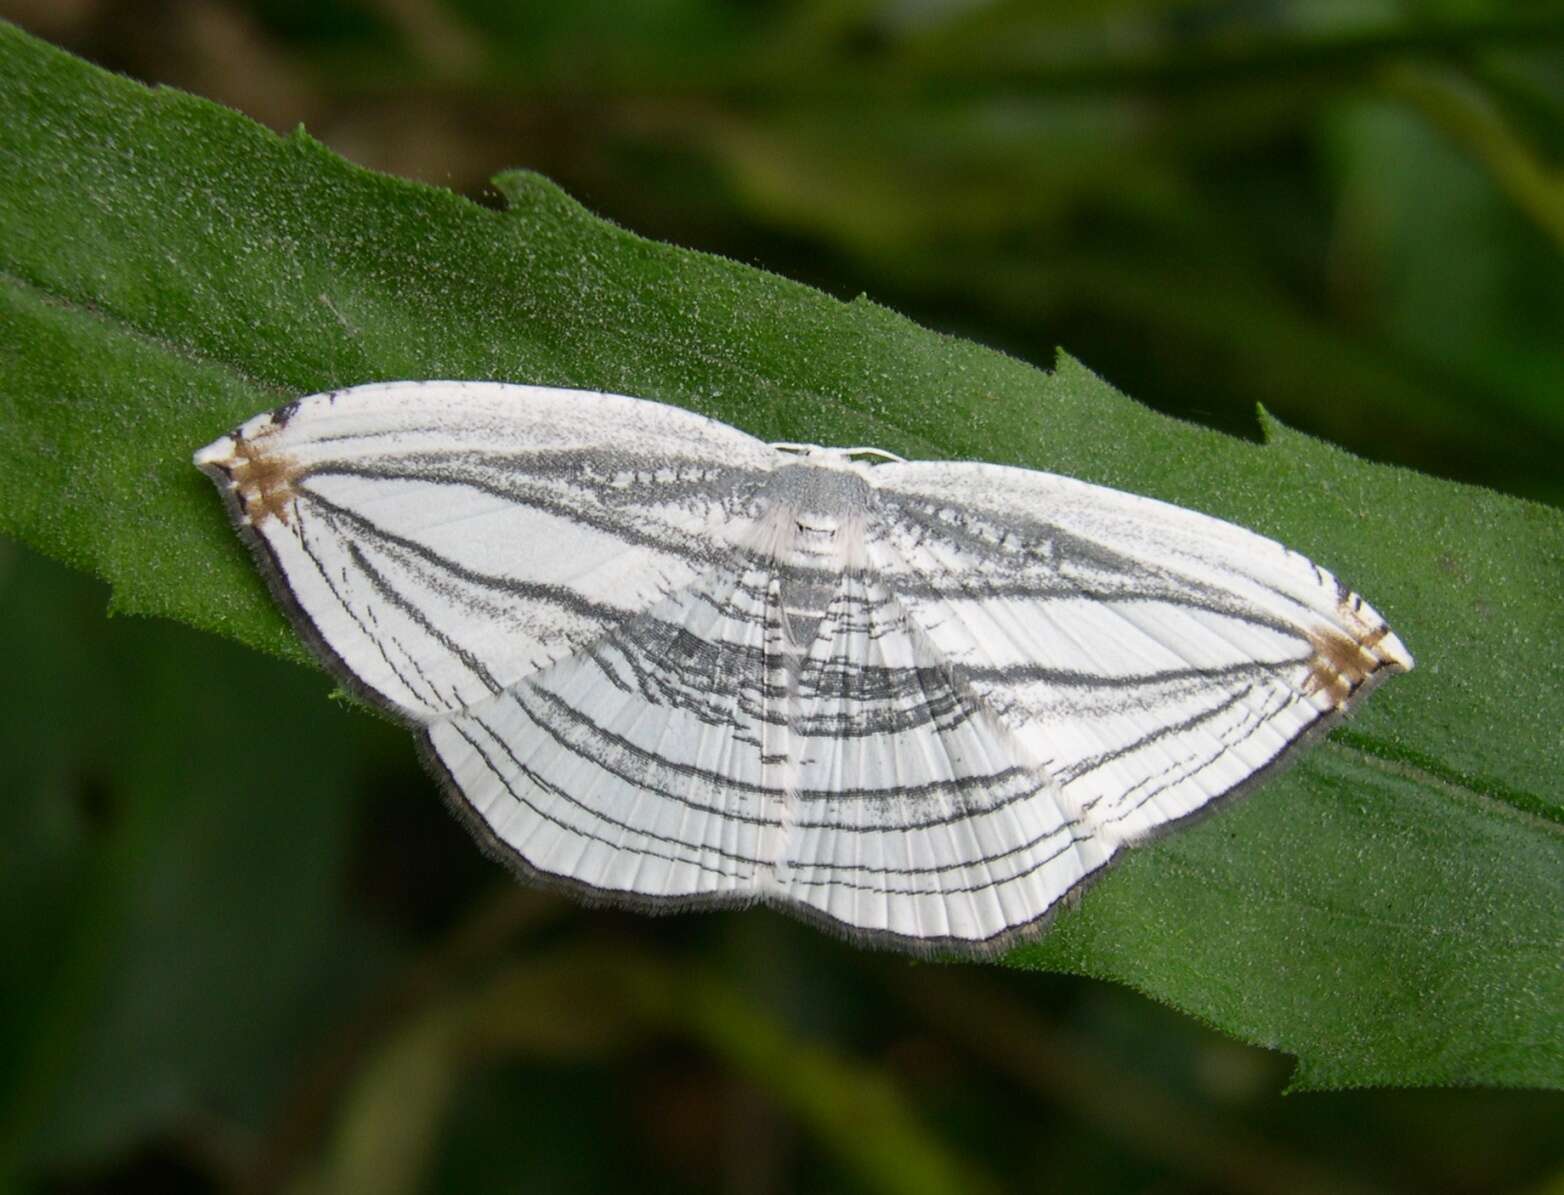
243	971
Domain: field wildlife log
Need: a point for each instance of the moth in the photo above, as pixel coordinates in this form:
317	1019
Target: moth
656	661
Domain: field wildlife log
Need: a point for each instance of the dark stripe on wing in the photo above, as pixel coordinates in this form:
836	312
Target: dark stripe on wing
1092	763
559	793
1250	726
370	633
568	714
631	527
394	597
558	595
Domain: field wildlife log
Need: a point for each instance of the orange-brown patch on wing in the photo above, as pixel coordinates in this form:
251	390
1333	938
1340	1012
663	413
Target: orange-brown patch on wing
264	482
1342	661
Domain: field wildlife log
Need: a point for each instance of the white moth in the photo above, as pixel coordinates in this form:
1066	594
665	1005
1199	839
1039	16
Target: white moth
659	662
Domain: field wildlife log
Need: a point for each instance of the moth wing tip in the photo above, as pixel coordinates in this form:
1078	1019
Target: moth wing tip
216	455
1397	657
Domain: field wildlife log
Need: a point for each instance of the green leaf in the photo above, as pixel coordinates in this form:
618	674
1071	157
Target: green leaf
1391	911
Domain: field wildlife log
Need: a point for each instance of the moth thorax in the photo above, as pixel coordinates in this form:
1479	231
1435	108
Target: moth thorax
814	520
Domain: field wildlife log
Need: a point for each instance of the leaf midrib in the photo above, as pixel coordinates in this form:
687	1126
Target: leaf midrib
1411	766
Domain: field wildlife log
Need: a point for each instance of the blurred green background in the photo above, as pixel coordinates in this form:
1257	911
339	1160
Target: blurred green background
228	971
